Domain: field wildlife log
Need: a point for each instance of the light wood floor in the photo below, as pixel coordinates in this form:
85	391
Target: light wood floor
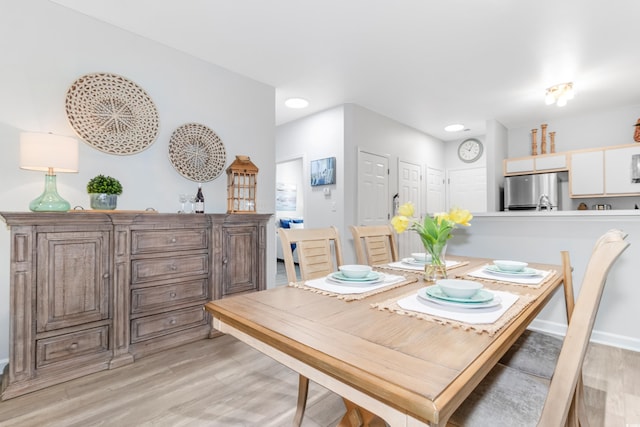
223	382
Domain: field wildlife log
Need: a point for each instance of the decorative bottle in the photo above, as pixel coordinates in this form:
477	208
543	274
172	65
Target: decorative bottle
199	200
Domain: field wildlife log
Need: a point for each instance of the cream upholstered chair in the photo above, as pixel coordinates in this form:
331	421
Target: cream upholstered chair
534	352
508	396
375	244
319	254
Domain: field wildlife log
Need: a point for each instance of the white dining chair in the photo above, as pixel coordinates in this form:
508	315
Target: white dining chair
509	396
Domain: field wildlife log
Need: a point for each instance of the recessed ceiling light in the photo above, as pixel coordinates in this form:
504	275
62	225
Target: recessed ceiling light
454	128
296	103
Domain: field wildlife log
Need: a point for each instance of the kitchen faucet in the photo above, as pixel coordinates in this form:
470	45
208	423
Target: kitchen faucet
544	201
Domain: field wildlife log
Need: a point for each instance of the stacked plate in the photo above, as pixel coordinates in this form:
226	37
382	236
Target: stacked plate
508	268
413	262
372	278
481	299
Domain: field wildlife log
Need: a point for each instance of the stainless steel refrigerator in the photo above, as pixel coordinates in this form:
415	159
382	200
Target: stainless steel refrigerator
531	192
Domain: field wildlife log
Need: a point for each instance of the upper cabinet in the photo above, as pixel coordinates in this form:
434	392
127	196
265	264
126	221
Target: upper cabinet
535	164
603	172
618	169
586	176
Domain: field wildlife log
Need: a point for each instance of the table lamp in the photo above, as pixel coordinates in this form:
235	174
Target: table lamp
50	153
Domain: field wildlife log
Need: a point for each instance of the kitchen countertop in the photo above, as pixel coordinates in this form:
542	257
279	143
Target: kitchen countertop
574	213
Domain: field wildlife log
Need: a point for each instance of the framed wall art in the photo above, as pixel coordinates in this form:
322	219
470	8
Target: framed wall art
323	171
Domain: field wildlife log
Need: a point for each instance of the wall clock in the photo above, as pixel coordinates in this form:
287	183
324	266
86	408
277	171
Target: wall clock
470	150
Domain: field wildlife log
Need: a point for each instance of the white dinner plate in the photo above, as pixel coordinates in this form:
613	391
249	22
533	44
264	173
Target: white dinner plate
481	296
413	262
371	278
527	272
494	302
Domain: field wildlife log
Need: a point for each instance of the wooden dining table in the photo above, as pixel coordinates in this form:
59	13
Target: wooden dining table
407	370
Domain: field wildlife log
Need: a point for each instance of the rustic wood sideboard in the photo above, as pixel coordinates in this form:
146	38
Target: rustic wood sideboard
91	291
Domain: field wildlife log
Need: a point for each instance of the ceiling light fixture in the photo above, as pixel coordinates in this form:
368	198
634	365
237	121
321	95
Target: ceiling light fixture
454	128
296	103
559	94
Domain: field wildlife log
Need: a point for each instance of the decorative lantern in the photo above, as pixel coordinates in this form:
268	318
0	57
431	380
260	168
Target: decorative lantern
241	186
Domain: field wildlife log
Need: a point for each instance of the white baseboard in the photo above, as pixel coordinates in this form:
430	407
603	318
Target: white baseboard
596	336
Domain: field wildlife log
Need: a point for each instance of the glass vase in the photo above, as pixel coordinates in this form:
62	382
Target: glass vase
436	268
102	201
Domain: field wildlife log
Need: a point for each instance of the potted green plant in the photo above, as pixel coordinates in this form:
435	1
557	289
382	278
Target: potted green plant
103	192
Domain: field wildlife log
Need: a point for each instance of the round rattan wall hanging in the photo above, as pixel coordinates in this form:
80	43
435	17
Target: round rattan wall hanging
112	114
196	152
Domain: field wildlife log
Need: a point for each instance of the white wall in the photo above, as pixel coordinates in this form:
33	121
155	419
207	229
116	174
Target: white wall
315	137
45	47
376	133
601	129
539	237
339	132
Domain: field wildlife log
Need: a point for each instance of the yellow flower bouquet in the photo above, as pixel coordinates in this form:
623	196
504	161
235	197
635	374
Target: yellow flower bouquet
434	231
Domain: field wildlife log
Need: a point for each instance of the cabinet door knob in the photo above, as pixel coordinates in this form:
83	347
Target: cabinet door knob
172	321
105	276
172	294
173	267
73	346
173	240
224	260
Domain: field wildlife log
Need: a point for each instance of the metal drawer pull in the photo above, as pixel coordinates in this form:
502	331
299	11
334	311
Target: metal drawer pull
173	267
172	321
173	240
172	294
73	346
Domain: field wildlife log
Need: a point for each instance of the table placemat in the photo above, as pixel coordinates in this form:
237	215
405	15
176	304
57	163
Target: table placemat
532	282
352	293
410	305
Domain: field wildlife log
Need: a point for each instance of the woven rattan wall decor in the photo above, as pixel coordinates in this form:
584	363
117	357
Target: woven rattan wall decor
112	114
197	153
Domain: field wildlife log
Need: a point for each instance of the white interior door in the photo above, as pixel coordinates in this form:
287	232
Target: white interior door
373	189
410	190
467	189
435	191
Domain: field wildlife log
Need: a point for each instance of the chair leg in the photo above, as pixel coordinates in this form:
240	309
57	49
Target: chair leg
581	404
303	391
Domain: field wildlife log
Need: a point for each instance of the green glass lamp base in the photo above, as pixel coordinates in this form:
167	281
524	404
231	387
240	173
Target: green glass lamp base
49	200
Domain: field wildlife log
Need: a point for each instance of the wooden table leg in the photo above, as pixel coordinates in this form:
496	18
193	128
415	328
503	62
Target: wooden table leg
359	417
303	391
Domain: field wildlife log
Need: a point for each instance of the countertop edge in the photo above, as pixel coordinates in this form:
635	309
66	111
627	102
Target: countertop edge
575	213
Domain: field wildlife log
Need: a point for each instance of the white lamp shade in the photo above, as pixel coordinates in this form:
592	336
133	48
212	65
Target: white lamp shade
46	151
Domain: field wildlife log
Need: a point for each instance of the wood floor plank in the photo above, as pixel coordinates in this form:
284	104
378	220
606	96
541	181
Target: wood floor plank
224	383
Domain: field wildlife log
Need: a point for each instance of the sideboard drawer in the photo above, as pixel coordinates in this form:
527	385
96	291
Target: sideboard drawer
70	346
149	327
147	241
143	270
158	297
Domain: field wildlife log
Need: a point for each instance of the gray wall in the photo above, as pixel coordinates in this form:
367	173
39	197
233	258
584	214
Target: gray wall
45	47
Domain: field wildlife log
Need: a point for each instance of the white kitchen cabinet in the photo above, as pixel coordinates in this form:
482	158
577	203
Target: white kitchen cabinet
552	162
617	171
586	174
518	166
536	164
